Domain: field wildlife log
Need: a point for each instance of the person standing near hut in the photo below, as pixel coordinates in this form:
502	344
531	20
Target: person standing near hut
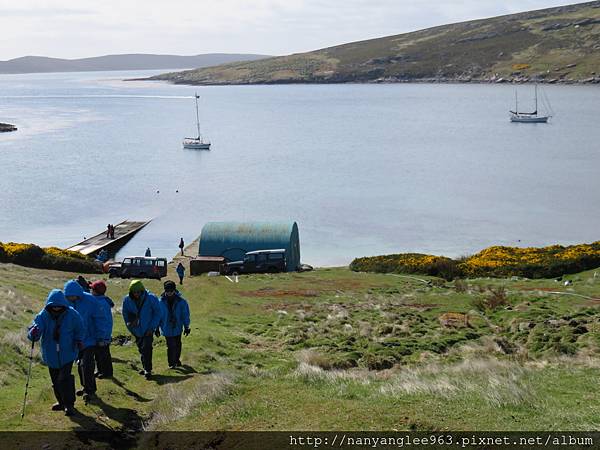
148	253
180	269
181	245
142	315
102	355
93	324
61	330
175	320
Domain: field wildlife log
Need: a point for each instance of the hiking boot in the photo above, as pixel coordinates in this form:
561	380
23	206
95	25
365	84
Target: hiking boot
178	364
142	372
172	366
57	407
80	392
88	397
148	375
69	411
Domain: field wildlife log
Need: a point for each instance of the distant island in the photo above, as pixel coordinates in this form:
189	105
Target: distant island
37	64
4	127
554	45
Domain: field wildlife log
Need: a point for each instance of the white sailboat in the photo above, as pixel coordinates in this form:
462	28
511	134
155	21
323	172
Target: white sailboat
197	143
528	117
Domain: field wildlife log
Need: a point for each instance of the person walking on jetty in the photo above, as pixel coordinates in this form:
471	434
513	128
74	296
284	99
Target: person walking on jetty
112	231
180	269
93	325
102	356
60	328
142	315
108	227
175	320
181	245
148	252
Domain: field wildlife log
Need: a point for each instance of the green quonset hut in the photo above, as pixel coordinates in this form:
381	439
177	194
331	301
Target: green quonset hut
233	239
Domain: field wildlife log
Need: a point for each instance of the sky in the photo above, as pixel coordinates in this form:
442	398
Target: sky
83	28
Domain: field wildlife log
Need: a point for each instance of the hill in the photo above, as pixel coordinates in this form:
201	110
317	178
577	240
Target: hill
34	64
284	351
560	44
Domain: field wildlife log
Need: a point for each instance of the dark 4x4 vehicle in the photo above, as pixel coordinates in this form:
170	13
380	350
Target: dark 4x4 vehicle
139	267
259	261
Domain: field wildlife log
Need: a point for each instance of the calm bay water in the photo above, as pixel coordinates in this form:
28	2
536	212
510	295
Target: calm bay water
363	169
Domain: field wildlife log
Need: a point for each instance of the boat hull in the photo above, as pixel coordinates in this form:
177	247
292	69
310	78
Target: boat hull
196	145
524	119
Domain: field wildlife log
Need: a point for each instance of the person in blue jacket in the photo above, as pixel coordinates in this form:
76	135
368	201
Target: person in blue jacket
142	314
180	269
60	328
175	319
102	354
94	324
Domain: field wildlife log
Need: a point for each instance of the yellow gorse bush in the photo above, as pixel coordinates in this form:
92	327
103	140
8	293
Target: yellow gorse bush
531	262
500	257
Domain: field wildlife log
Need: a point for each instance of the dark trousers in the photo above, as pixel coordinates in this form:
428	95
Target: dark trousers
180	278
85	367
104	361
144	345
63	384
173	349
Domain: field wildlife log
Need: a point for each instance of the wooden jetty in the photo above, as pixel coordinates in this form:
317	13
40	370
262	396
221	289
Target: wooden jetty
123	232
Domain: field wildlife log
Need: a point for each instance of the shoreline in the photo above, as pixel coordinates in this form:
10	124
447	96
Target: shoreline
516	81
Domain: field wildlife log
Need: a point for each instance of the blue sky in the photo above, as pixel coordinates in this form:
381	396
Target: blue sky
80	28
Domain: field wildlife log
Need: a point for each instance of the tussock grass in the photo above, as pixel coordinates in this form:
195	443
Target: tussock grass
178	401
315	367
497	382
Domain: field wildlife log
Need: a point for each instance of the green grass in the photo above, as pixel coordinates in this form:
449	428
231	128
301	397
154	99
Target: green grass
332	349
475	50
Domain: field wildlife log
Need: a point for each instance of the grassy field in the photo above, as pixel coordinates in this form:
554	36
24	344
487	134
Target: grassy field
333	349
553	45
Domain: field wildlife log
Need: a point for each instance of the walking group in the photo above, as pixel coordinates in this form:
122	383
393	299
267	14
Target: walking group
76	325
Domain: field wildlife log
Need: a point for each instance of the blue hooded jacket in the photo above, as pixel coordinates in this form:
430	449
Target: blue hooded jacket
90	311
107	325
174	319
70	331
148	316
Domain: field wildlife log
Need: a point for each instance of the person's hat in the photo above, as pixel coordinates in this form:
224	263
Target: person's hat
170	286
136	286
98	286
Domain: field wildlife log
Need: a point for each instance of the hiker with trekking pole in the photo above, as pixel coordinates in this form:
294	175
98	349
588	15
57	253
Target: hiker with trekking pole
60	329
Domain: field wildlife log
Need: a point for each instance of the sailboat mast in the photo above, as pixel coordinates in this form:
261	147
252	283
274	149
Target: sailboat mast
197	115
516	102
536	98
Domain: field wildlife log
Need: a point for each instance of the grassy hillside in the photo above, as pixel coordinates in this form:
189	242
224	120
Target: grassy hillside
385	351
554	45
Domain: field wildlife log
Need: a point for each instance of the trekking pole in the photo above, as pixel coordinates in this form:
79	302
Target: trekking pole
28	377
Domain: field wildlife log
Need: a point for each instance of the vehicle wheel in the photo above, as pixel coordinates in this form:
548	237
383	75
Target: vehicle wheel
272	270
112	274
142	275
235	273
